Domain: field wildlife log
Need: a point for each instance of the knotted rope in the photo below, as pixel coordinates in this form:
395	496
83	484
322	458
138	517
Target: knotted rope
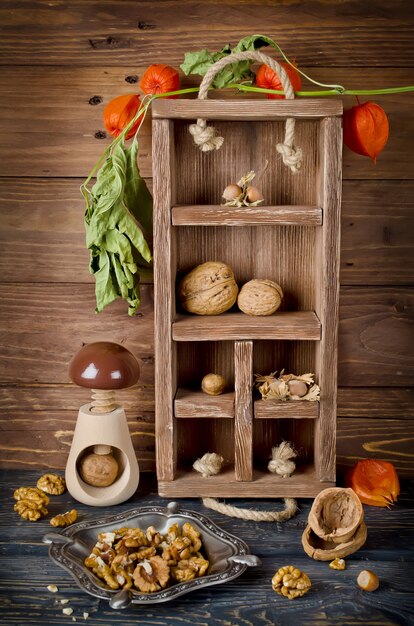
289	511
281	462
210	464
205	136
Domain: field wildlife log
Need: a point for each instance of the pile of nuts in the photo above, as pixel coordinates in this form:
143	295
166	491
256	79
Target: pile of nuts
32	502
148	560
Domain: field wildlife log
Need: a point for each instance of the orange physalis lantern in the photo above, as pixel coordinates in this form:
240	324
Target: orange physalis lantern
375	482
268	79
366	129
119	112
160	78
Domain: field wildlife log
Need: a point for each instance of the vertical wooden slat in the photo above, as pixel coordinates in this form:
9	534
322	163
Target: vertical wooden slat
243	425
164	292
327	293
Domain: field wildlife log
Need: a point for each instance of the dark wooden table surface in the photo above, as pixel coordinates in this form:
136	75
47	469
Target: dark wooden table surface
27	570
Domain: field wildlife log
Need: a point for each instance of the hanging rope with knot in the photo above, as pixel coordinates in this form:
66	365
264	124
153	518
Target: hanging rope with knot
206	138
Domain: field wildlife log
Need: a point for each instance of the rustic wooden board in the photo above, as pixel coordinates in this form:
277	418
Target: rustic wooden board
248	600
43	221
213	215
109	32
195	403
380	350
72	146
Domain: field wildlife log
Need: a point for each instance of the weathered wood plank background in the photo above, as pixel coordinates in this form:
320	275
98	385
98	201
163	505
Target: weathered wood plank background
61	62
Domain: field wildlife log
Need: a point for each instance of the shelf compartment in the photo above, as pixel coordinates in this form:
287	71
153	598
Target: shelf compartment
195	403
295	325
213	215
303	484
277	409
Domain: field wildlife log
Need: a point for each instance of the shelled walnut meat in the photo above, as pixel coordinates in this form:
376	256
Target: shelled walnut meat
52	484
209	289
31	503
148	560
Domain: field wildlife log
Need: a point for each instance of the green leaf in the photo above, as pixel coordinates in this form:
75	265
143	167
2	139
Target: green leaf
200	62
118	205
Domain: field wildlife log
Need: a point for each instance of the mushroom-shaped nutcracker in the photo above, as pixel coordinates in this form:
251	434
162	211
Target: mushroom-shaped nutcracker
102	468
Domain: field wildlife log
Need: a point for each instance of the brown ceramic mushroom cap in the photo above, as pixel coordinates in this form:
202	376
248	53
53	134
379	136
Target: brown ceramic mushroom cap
104	365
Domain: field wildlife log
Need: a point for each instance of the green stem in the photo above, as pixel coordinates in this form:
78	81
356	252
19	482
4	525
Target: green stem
330	92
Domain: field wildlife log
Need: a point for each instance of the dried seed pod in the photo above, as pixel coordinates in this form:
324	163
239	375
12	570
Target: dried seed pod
213	384
65	519
367	580
291	582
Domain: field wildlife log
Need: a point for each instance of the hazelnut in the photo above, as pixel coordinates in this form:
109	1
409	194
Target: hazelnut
253	195
213	384
297	388
232	192
367	580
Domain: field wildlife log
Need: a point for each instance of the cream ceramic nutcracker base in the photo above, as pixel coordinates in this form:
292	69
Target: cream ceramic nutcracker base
105	429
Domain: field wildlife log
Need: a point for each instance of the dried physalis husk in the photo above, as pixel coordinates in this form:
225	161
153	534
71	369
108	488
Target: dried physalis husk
52	483
241	193
65	519
287	387
291	582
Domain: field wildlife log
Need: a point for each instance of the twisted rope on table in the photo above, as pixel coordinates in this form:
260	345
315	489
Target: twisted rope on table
289	511
205	136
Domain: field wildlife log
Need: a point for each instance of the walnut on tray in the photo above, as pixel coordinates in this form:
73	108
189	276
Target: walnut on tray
148	560
53	484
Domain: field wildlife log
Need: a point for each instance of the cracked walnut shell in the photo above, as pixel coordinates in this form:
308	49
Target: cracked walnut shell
260	297
52	484
65	519
209	289
291	582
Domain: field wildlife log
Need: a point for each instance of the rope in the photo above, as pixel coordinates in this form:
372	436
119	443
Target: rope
210	464
289	511
205	136
281	460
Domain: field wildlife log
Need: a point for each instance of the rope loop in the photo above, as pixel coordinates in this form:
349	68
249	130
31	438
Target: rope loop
206	138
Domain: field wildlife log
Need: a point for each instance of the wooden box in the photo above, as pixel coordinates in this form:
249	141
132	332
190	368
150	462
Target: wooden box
293	240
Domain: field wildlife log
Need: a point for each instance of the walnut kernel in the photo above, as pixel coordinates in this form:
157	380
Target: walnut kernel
338	564
291	582
52	484
31	493
30	510
65	519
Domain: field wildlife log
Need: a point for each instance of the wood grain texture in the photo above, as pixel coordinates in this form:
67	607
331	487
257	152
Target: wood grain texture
71	148
109	32
44	222
276	409
190	403
243	410
164	280
263	110
211	215
299	325
248	600
327	253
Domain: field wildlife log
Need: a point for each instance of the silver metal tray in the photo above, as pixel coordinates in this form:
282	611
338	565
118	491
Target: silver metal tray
229	556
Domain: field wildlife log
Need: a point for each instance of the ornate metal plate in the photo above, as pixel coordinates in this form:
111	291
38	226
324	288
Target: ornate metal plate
228	556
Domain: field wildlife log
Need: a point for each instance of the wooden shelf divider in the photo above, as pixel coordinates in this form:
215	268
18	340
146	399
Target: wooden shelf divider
213	215
295	325
243	425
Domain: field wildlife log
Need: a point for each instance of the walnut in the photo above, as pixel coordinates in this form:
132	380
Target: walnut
209	289
65	519
338	564
101	569
181	548
31	493
191	533
135	538
173	532
153	536
53	484
199	564
183	572
260	297
291	582
30	510
151	575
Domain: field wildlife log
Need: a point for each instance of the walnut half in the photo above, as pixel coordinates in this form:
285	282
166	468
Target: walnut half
291	582
52	483
65	519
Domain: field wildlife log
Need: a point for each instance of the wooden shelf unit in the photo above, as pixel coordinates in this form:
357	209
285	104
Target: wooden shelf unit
294	240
